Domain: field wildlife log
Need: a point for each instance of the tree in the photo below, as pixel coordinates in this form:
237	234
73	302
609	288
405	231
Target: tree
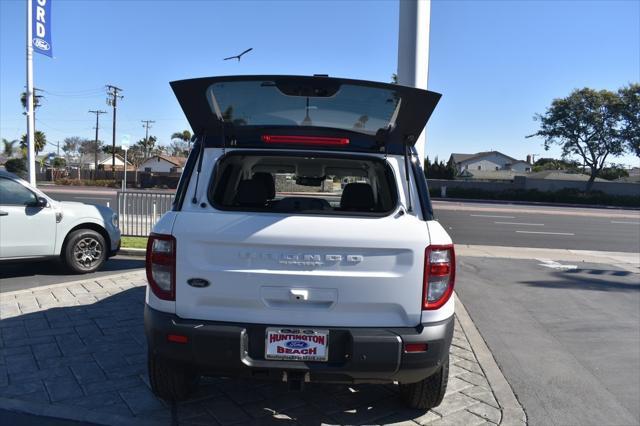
8	147
586	123
184	136
553	164
108	149
147	145
630	132
178	148
36	101
615	171
70	147
59	163
17	166
40	140
87	150
136	157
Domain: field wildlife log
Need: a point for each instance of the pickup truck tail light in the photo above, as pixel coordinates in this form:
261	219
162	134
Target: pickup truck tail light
161	265
439	276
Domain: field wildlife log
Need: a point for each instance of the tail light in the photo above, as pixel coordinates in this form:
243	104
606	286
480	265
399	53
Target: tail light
439	276
161	265
305	140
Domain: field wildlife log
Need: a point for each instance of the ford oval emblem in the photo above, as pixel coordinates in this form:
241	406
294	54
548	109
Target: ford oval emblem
41	44
198	282
296	344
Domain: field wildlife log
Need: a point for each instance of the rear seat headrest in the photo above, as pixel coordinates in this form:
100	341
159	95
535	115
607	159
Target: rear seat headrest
267	180
251	193
357	196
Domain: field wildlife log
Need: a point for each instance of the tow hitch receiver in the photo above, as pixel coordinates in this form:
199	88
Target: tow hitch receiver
296	379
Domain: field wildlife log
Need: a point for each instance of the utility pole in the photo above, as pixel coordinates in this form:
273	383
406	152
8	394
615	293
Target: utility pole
97	112
112	100
146	124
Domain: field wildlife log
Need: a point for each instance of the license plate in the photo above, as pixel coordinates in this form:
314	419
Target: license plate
297	344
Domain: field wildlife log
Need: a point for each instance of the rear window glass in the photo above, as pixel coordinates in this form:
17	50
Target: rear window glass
261	103
303	185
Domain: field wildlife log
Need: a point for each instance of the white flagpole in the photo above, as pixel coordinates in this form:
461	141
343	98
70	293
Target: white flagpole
31	160
413	49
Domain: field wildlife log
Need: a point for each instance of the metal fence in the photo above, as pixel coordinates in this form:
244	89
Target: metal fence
139	211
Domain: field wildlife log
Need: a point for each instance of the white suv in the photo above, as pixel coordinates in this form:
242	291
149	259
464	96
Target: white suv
33	226
302	244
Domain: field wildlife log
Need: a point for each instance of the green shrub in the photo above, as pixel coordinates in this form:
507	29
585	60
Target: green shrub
568	196
82	182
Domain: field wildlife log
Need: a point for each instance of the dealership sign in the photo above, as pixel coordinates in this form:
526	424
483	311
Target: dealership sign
41	23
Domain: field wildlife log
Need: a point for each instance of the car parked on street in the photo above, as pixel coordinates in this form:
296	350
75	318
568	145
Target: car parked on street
34	226
302	244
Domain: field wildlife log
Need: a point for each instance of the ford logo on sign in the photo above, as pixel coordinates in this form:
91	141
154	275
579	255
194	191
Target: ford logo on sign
41	44
296	344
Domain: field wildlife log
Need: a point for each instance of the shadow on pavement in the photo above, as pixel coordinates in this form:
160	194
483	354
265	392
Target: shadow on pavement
588	279
56	268
94	357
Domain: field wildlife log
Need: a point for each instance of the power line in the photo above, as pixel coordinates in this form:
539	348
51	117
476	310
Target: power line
112	100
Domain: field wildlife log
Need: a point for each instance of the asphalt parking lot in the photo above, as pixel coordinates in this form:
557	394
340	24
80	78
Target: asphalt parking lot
23	275
566	335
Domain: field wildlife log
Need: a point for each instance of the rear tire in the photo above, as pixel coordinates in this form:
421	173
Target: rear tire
85	251
428	393
169	381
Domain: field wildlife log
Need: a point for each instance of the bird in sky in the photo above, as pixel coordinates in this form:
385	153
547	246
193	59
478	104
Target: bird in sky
240	55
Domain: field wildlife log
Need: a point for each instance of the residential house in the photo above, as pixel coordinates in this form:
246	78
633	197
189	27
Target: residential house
163	164
489	161
87	162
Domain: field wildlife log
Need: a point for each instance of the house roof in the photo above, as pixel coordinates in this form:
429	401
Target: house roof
176	161
458	158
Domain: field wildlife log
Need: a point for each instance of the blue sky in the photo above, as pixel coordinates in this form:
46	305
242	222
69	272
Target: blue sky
496	63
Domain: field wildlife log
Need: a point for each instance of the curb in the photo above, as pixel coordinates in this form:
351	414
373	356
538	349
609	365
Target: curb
67	283
512	411
139	252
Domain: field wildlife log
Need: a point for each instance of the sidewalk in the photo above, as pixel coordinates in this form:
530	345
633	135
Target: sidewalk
77	351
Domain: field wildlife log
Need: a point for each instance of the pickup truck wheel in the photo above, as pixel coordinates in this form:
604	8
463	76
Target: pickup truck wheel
169	381
428	393
85	251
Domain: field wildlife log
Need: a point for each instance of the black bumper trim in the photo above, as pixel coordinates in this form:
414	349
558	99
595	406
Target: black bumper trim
356	355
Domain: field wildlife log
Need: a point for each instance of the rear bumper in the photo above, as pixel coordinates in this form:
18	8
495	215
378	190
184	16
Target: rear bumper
356	355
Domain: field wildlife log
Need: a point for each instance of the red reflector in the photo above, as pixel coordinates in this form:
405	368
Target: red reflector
177	338
439	269
415	347
305	140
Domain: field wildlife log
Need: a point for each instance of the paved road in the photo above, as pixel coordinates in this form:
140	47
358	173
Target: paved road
568	341
22	275
493	224
541	226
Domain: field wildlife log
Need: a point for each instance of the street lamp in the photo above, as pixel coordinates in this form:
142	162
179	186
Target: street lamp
125	148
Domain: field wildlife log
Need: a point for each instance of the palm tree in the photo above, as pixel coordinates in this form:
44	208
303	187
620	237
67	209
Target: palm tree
36	102
7	148
40	140
184	136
